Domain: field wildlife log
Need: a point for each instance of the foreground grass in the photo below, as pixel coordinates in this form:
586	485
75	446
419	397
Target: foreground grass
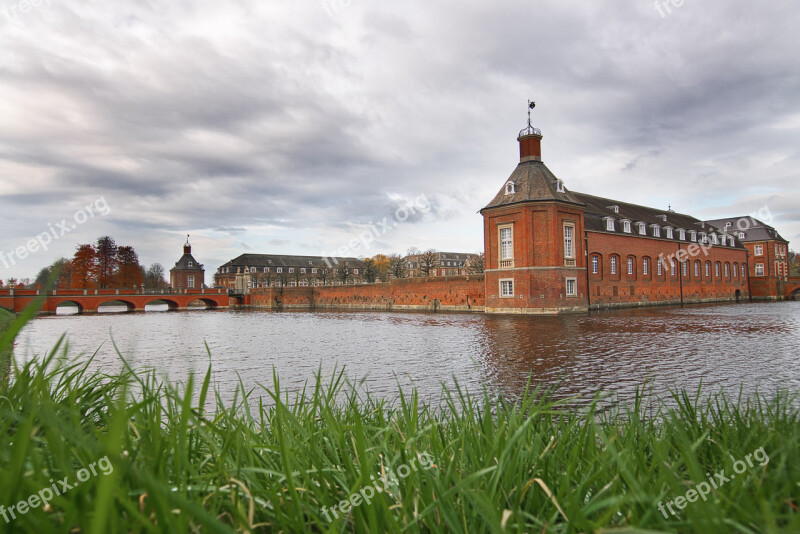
479	465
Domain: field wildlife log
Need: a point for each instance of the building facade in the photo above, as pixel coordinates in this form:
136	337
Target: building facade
187	273
250	271
439	264
551	250
768	255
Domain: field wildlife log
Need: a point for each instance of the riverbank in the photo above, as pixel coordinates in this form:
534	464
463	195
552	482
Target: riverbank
124	452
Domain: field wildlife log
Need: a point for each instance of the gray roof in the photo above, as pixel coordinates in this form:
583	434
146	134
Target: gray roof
533	182
279	260
187	263
752	228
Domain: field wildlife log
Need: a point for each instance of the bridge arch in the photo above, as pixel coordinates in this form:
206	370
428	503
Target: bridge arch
71	303
210	304
794	294
117	302
171	304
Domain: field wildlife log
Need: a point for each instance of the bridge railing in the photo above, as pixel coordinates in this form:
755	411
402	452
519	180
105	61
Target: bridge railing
107	292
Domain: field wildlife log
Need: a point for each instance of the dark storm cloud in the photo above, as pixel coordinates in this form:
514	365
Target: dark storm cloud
281	127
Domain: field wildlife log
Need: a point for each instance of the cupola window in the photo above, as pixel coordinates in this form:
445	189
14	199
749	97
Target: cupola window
511	188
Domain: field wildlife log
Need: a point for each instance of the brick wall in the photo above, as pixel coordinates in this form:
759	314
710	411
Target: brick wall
454	293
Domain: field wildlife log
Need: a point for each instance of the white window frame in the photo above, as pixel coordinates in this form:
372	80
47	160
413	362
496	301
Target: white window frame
609	224
727	270
630	265
736	270
672	267
613	266
697	269
642	229
669	233
716	269
758	250
659	267
511	187
759	269
693	236
645	266
571	282
506	283
279	270
656	230
506	248
569	240
682	234
708	269
595	264
190	282
626	227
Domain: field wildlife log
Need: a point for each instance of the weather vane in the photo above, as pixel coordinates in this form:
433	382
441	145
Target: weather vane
530	130
187	239
531	105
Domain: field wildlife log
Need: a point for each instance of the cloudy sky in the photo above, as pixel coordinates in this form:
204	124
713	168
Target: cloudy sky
292	127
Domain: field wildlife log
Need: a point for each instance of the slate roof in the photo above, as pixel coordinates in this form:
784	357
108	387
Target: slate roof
753	229
183	264
533	181
279	260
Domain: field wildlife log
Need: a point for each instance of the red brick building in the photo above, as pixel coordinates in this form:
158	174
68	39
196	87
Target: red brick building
187	273
550	250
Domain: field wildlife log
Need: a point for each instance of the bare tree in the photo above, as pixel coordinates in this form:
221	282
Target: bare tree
428	261
370	271
344	272
398	266
155	277
476	264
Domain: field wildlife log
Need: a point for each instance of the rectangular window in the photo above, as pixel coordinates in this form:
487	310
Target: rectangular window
291	269
595	264
682	235
759	269
708	269
656	231
507	288
684	268
645	266
758	250
697	269
355	271
669	233
630	265
659	267
716	269
736	270
626	226
692	235
672	267
190	282
610	225
727	270
302	270
266	269
642	229
569	241
572	287
613	265
506	243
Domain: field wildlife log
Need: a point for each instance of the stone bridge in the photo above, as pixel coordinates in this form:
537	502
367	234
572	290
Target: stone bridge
89	300
791	288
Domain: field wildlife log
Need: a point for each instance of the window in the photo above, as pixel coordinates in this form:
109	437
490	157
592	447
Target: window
626	226
759	269
291	269
716	270
777	253
724	240
572	287
630	264
507	246
669	233
266	269
646	266
697	269
279	269
736	270
510	188
595	264
569	241
659	267
741	235
708	269
191	264
671	267
693	235
714	239
314	270
613	265
560	187
685	268
610	224
727	270
656	231
642	229
506	288
190	282
302	270
355	271
758	250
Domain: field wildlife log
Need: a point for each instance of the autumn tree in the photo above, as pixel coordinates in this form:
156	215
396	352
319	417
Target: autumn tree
398	266
63	268
84	267
129	272
382	264
428	261
107	261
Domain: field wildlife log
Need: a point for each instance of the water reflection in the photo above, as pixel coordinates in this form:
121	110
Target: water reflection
753	346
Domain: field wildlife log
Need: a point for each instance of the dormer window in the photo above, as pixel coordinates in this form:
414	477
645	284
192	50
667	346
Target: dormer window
609	224
626	227
656	230
703	238
560	186
741	235
669	232
681	234
266	269
693	235
663	217
511	188
615	208
191	264
724	240
714	238
642	229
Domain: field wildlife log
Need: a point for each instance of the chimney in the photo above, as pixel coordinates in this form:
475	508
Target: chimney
530	145
187	248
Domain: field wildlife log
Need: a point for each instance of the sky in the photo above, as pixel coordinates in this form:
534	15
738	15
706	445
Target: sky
316	127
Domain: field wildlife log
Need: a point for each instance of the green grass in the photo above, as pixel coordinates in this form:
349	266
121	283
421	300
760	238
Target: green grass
529	466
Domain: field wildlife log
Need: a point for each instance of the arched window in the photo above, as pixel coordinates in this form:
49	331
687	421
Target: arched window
613	265
646	266
631	266
596	267
736	270
511	188
697	269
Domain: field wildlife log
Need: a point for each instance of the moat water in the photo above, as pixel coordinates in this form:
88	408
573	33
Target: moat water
755	347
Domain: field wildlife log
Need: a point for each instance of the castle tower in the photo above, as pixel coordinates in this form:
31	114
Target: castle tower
534	239
187	273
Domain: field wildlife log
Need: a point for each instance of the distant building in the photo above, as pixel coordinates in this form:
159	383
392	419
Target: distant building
187	273
445	264
250	271
768	254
